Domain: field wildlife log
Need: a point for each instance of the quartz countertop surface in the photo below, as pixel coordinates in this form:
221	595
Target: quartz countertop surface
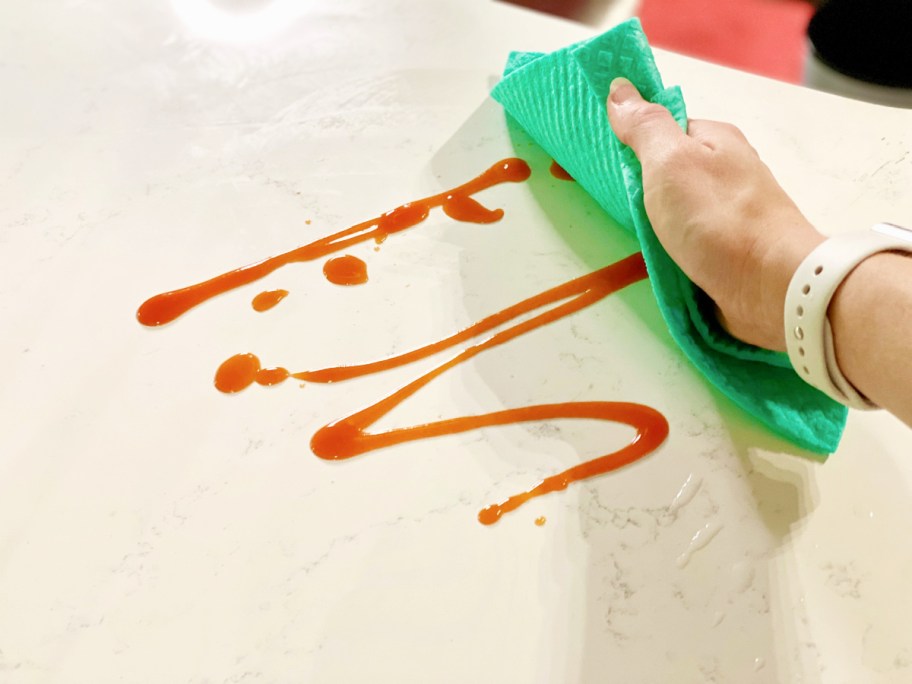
153	529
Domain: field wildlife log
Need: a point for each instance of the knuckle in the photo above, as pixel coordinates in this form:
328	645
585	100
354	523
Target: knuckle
651	113
732	130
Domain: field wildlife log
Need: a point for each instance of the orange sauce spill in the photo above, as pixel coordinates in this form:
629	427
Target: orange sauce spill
466	208
266	300
271	376
348	437
242	370
233	374
558	171
345	270
581	292
541	520
167	306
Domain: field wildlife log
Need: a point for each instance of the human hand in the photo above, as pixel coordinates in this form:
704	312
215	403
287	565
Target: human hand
718	212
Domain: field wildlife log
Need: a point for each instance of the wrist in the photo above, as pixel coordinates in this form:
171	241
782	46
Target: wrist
858	317
867	302
769	280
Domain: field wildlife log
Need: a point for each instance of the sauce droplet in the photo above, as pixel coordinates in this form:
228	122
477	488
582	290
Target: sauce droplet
345	270
266	300
465	208
271	376
560	172
237	373
541	520
242	370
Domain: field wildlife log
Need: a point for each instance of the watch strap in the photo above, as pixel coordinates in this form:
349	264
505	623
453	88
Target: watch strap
808	335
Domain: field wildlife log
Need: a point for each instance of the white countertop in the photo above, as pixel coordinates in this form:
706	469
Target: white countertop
155	530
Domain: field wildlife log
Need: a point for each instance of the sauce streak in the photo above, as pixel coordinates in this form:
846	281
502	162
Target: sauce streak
558	171
345	270
266	300
348	437
458	203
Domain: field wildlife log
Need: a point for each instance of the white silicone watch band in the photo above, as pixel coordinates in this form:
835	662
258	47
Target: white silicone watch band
808	336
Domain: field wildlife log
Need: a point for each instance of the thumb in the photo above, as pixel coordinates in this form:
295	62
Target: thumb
645	127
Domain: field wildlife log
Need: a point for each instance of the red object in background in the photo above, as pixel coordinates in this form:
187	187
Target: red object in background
764	37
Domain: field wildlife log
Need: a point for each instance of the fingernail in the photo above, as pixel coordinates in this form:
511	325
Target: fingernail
617	92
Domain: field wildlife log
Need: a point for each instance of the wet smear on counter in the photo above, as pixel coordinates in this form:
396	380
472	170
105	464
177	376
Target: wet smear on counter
685	494
266	300
349	436
700	540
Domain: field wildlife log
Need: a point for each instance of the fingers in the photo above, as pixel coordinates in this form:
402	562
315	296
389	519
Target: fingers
647	128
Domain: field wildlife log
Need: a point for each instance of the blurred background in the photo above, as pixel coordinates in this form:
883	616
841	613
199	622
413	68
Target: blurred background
855	48
764	37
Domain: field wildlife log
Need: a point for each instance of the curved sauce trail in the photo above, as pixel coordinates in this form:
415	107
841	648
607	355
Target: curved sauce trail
458	204
348	437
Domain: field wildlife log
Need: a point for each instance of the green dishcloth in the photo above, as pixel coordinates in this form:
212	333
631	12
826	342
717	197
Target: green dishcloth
559	99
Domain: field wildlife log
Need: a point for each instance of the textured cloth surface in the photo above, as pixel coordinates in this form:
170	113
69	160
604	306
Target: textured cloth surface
559	99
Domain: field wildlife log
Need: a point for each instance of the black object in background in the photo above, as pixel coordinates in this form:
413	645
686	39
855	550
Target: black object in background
870	40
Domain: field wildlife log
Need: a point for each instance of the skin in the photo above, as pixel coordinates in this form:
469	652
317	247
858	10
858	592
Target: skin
721	215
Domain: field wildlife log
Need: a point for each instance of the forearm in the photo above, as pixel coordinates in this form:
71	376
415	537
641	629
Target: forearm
871	317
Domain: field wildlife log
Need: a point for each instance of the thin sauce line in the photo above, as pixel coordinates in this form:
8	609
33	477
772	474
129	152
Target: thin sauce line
457	203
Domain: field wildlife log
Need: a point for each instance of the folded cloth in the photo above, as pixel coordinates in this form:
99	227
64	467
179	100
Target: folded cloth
559	99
